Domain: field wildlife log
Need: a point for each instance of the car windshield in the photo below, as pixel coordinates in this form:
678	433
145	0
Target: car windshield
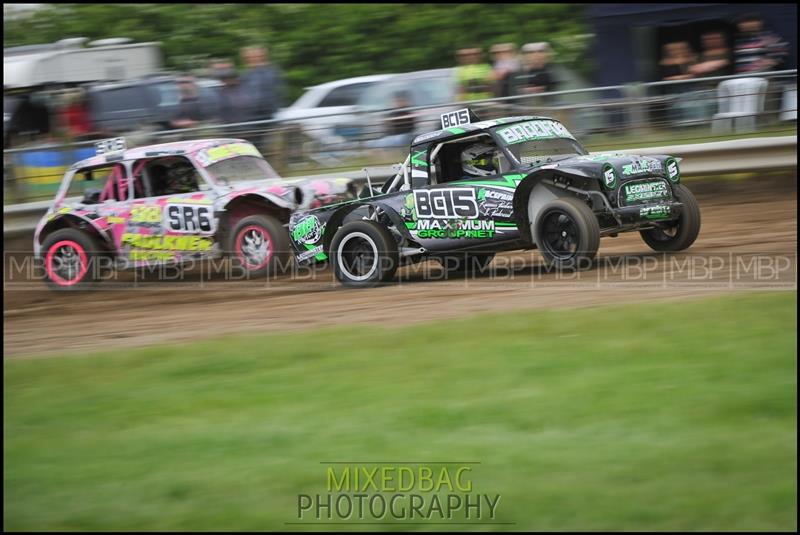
241	169
535	152
423	91
538	141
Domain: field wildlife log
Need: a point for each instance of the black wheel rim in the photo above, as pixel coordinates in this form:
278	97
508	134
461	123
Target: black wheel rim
665	233
560	235
358	257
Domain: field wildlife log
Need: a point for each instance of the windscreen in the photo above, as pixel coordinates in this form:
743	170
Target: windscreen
532	142
241	169
235	162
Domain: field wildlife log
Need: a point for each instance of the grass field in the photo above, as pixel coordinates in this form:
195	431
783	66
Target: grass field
662	416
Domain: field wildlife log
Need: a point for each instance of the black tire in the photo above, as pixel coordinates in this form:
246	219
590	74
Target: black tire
567	233
259	245
71	260
466	262
364	254
682	234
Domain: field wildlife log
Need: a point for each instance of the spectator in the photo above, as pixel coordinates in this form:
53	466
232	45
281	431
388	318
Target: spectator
677	61
263	82
535	76
757	49
77	120
401	125
688	104
233	100
401	122
715	59
190	112
506	65
474	77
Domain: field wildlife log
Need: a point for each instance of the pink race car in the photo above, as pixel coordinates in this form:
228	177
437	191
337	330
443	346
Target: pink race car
172	203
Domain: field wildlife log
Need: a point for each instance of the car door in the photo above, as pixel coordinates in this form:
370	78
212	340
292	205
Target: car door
446	211
167	225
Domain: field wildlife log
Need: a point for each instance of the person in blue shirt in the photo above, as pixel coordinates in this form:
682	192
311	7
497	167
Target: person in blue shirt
263	83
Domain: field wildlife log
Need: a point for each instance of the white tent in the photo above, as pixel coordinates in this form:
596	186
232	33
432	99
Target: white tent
65	63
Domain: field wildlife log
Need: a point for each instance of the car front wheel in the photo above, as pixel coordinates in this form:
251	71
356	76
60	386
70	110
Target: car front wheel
70	260
676	235
567	233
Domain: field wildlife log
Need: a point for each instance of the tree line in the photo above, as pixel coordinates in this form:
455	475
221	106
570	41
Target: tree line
314	43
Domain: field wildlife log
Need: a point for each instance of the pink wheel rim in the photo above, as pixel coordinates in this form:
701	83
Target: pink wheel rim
60	254
254	247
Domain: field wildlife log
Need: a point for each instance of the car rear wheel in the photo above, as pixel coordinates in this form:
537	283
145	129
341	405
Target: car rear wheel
364	254
260	246
567	233
676	235
70	260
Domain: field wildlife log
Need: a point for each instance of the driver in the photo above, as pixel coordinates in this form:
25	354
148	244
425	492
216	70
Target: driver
480	159
181	179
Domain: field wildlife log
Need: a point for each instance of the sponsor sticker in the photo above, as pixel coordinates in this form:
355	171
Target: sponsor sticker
655	212
645	191
673	171
168	243
638	167
534	130
223	152
308	230
609	176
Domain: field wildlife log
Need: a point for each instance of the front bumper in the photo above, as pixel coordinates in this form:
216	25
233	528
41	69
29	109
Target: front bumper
648	213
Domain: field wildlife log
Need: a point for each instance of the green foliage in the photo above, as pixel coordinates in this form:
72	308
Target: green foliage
314	43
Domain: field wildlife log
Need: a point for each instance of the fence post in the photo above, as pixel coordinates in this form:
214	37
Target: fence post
636	110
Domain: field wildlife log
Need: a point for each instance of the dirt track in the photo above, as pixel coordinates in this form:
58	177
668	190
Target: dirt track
748	241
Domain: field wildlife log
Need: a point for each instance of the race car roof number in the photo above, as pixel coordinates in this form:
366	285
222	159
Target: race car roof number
223	152
534	130
455	118
110	146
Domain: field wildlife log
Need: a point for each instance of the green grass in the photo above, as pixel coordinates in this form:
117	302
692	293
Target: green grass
662	416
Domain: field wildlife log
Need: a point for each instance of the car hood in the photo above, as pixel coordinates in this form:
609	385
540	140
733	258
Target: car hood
314	192
626	166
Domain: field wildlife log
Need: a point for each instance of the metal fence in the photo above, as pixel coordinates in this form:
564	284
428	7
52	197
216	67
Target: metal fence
658	113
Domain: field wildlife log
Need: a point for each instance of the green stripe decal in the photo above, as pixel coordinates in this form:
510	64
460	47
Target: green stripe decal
510	181
416	161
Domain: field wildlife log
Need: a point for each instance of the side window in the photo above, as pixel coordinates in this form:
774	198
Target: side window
344	96
107	182
172	175
141	188
476	158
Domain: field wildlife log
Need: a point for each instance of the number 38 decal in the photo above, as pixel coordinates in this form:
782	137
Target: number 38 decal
189	218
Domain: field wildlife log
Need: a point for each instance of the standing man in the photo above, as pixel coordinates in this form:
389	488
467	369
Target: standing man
234	102
757	49
473	75
535	76
505	66
263	83
190	111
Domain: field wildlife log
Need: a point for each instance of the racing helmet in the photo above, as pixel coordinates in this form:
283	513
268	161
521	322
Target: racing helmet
480	159
181	179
